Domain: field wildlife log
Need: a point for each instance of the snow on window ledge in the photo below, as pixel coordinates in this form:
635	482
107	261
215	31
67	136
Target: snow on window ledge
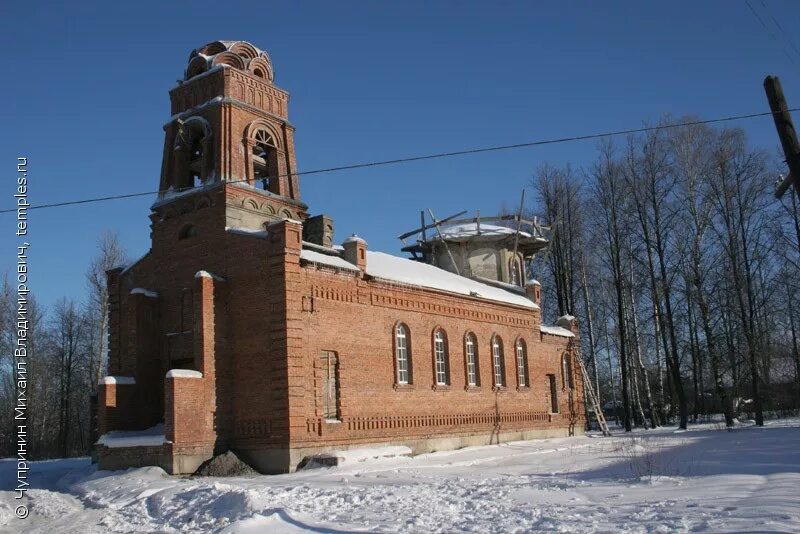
146	292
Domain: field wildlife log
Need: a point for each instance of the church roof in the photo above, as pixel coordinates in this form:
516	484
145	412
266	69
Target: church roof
391	268
477	233
240	55
468	230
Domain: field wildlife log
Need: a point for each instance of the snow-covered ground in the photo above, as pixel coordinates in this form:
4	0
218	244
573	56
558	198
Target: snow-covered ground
705	479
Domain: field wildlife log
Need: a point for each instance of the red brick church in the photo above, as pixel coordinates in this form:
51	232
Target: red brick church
246	328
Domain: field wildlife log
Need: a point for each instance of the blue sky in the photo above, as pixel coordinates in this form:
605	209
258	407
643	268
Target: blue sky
84	96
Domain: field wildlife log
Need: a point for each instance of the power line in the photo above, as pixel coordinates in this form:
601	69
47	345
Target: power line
788	36
439	155
770	32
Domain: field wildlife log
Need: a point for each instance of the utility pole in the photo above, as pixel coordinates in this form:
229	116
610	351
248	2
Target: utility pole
786	133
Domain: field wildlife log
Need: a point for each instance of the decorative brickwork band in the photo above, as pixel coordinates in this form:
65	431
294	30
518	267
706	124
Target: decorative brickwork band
452	423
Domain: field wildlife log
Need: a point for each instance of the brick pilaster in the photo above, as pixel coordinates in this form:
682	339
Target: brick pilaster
113	284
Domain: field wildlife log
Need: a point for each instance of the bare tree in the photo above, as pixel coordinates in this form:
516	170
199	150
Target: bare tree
558	192
69	332
692	149
651	183
608	191
110	254
740	204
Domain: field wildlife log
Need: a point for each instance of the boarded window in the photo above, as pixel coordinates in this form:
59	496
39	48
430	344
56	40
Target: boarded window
484	262
553	393
186	319
330	385
566	371
180	348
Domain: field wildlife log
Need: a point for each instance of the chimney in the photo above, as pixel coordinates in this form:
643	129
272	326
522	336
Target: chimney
570	323
319	230
355	251
534	291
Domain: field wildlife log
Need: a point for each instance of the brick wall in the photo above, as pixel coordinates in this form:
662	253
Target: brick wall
189	417
116	409
356	319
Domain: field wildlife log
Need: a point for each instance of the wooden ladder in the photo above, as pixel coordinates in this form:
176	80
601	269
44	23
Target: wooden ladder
598	411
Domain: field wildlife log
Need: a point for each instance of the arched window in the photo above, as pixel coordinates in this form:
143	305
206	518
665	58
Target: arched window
196	161
196	66
186	312
498	365
522	364
179	344
471	356
515	272
566	371
192	153
264	159
187	231
402	354
440	359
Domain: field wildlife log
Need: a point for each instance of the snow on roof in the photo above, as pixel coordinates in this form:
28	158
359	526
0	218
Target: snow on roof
406	271
505	285
245	231
171	193
468	230
121	380
184	373
556	331
209	102
331	251
327	259
354	239
150	437
212	70
286	219
146	292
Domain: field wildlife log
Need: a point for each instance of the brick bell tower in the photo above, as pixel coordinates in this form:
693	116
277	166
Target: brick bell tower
229	133
203	327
